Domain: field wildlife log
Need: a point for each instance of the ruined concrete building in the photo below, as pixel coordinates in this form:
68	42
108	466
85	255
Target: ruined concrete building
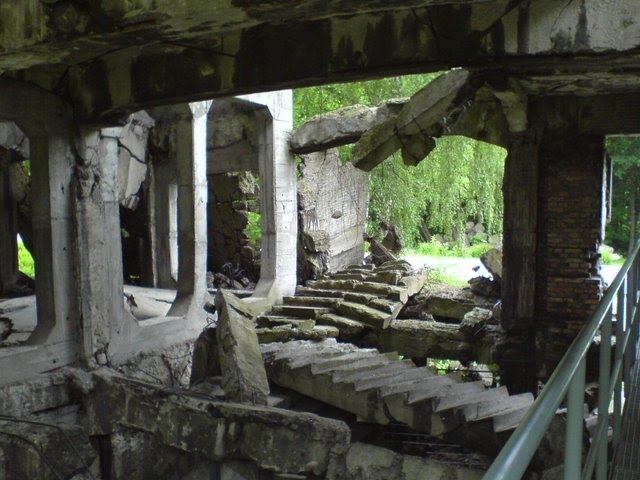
103	97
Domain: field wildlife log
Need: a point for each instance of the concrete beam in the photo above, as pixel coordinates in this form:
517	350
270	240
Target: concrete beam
266	56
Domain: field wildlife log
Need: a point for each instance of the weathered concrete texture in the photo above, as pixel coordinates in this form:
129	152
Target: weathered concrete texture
422	339
332	198
274	439
368	462
235	128
243	375
31	449
341	127
449	302
132	158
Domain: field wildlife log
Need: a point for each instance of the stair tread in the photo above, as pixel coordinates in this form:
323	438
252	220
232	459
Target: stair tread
510	419
385	371
414	384
403	376
460	394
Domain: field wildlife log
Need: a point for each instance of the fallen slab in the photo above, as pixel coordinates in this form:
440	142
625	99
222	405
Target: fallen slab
274	439
244	378
341	127
428	113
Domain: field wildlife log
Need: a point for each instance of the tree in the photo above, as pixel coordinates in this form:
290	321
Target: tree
460	180
625	158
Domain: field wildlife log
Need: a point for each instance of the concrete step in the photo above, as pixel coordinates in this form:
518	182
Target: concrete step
323	365
319	292
405	375
311	301
509	420
340	371
458	395
387	371
498	406
430	391
481	404
374	301
299	311
347	326
369	315
415	384
268	321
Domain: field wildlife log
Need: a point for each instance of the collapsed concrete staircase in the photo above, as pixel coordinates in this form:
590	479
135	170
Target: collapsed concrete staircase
347	304
383	388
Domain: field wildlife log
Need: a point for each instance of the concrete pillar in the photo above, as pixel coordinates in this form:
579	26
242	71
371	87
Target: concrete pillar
52	162
278	199
185	128
99	252
8	227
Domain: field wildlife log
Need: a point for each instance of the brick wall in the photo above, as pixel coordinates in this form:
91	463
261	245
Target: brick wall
568	287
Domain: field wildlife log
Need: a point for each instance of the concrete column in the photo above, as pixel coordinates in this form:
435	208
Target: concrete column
52	162
278	199
183	129
8	228
99	252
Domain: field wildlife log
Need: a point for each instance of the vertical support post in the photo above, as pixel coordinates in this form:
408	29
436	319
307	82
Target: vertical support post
618	359
575	424
278	199
99	252
8	228
603	394
191	155
52	162
628	328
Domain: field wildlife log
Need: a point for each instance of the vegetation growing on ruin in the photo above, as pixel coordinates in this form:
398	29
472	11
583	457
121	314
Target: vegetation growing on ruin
460	180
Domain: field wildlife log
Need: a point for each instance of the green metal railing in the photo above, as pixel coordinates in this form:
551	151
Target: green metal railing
568	380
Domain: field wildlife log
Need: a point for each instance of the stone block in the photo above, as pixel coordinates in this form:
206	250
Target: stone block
244	378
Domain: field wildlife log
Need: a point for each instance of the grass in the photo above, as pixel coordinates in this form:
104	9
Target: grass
25	260
436	249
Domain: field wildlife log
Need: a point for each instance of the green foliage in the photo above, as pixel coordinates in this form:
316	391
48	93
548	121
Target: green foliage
437	276
625	157
25	260
460	180
253	230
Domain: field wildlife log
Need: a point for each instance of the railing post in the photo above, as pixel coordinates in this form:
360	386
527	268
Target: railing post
575	424
603	395
617	392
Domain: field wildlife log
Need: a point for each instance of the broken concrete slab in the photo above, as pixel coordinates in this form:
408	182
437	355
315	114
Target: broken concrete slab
369	462
206	357
474	321
244	378
492	260
420	339
485	287
274	439
447	301
428	113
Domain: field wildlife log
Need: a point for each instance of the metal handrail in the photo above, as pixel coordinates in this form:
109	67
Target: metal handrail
568	380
